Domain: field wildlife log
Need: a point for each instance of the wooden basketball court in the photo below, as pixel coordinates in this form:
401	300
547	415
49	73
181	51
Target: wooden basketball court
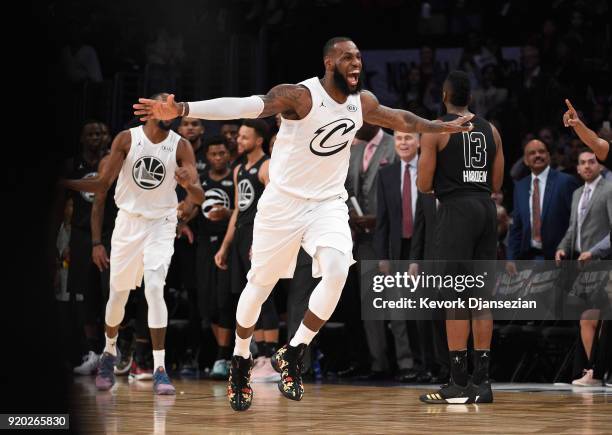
201	407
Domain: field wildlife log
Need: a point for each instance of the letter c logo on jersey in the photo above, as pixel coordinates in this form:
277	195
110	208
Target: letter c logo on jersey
330	139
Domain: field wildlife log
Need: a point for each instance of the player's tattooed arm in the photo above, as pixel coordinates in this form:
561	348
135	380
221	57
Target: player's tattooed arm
427	162
407	122
109	172
187	175
292	101
498	163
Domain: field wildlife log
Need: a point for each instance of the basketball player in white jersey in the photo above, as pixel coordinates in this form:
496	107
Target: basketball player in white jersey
149	161
304	203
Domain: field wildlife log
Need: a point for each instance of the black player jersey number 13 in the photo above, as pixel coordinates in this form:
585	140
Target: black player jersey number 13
465	164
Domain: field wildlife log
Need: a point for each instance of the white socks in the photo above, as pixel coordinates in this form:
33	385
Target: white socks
111	344
241	348
302	335
159	359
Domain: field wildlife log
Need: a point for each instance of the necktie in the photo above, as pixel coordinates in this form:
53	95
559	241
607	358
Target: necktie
535	211
367	155
585	203
407	205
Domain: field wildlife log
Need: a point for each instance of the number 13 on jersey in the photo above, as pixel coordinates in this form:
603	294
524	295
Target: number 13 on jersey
474	156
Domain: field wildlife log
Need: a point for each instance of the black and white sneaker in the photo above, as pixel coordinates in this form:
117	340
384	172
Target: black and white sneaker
450	393
483	393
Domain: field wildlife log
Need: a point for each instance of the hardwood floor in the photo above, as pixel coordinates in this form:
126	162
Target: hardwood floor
201	407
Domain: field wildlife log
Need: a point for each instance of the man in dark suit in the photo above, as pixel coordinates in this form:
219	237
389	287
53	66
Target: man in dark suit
431	333
542	207
395	213
371	150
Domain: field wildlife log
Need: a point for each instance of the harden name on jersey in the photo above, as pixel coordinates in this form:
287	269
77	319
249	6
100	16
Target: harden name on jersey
474	176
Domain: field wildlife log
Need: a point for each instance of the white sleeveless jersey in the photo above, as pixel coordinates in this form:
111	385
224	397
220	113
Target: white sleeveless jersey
146	184
311	156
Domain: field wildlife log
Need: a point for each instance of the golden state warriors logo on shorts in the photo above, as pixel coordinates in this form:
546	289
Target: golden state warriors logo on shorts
214	197
246	194
148	172
330	139
88	196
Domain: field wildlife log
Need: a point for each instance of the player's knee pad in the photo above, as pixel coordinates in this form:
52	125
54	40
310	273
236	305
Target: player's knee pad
115	307
334	265
250	302
154	293
334	270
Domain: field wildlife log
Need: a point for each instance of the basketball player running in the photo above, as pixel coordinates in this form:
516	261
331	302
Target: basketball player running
304	204
463	170
143	239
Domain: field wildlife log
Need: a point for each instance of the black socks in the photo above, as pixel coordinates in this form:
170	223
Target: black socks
482	358
458	367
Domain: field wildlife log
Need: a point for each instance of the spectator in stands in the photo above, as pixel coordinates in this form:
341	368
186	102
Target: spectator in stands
530	87
488	95
79	60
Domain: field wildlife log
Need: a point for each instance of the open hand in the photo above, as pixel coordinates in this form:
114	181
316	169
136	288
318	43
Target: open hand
456	125
147	109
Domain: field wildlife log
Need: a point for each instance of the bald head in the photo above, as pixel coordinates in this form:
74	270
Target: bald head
536	156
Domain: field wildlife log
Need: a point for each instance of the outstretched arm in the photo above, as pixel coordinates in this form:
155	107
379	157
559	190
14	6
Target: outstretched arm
407	122
600	146
280	99
109	172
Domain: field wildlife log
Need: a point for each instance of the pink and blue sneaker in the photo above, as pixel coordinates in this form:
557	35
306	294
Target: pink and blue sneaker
161	383
106	372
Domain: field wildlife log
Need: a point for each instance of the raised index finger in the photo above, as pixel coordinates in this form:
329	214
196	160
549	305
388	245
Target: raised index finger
569	105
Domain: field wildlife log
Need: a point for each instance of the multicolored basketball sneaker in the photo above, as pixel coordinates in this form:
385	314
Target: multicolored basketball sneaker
106	368
288	362
239	391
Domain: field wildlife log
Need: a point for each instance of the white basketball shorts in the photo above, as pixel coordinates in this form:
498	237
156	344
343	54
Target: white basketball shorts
284	223
138	244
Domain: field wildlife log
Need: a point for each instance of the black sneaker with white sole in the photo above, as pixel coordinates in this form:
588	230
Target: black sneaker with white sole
450	393
483	393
